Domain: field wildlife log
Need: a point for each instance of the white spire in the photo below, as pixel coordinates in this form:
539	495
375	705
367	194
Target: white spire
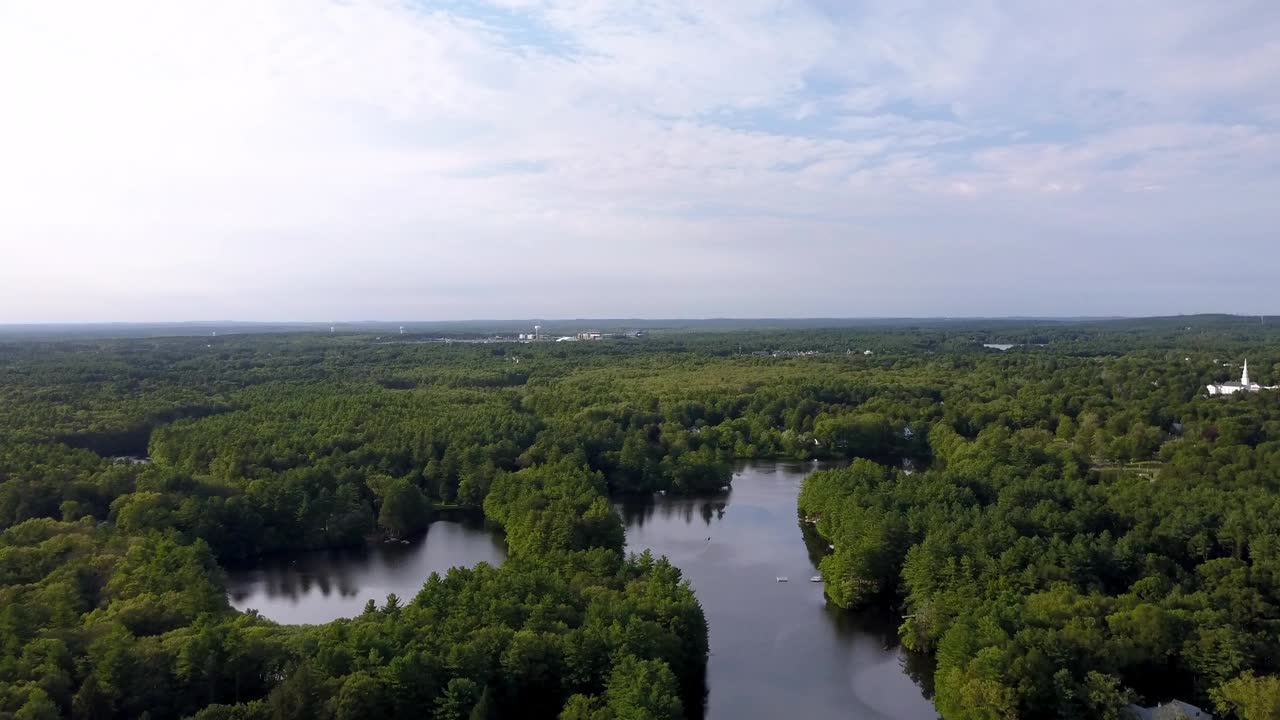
1244	378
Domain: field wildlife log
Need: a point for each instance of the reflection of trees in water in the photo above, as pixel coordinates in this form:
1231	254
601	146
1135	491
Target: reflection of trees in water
713	509
920	667
635	512
813	543
327	578
697	697
326	571
880	623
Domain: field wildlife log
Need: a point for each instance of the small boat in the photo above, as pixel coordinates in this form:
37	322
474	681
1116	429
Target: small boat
782	578
816	578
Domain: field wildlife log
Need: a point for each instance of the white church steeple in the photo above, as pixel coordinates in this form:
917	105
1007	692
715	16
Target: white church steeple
1245	385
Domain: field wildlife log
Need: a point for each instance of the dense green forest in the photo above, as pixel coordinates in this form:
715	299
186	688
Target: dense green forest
1078	527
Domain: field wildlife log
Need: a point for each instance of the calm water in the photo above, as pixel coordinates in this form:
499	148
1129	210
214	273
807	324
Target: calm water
777	649
323	585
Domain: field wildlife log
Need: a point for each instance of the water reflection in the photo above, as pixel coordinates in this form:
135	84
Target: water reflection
778	649
319	586
637	511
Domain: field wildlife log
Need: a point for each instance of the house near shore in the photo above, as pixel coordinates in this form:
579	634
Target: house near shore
1243	386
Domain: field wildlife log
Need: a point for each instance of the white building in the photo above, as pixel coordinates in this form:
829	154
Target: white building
1243	385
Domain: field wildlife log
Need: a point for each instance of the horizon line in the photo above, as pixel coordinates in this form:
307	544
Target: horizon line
718	318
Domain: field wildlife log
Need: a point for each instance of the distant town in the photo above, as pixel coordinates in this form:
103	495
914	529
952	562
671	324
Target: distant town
539	335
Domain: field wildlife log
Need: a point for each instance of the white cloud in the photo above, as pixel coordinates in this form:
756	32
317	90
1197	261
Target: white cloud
376	157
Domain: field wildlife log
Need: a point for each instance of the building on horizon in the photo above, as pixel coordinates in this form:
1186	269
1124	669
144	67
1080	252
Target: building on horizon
1244	385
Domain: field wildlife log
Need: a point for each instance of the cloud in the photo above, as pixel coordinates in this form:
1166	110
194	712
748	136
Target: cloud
317	159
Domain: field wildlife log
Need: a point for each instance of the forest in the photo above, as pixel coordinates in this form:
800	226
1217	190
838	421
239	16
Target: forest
1078	527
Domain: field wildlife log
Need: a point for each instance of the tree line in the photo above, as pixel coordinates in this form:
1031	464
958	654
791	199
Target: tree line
1081	527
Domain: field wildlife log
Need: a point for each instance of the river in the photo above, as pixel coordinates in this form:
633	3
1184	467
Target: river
777	649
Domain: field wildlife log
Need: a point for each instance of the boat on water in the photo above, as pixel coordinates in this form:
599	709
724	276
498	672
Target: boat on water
816	578
782	578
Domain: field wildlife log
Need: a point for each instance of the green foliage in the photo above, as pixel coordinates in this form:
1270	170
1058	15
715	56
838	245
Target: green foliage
554	507
1049	585
1079	526
863	434
642	690
582	707
1249	697
405	510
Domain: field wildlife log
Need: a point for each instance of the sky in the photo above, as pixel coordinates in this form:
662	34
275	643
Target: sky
455	159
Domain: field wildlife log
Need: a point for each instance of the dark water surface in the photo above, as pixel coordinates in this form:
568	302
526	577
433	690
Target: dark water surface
323	585
777	649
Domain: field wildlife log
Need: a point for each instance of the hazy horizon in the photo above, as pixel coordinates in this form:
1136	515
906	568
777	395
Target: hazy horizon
458	159
811	319
589	318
